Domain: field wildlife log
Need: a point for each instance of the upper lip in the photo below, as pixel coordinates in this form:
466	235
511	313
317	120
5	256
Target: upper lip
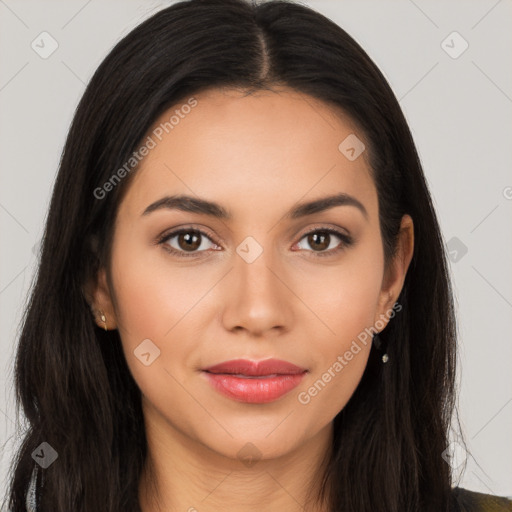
256	368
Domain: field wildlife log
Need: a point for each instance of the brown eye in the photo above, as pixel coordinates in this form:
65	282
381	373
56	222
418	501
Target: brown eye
187	242
323	241
319	240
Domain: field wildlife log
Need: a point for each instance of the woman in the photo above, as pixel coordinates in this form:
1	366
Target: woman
243	299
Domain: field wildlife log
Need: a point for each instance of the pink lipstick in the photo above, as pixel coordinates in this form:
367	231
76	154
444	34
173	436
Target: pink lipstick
254	382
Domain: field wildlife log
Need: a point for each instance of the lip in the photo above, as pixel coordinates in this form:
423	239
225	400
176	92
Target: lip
256	368
254	381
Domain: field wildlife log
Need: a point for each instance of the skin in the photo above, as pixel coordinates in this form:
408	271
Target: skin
258	156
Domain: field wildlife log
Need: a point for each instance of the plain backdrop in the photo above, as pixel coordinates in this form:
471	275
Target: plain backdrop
449	64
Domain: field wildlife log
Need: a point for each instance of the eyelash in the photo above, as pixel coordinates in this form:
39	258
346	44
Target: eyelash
346	240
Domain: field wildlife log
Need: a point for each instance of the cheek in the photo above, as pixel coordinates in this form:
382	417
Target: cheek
159	302
341	357
152	294
345	299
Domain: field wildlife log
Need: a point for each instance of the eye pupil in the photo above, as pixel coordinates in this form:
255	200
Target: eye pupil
192	241
313	239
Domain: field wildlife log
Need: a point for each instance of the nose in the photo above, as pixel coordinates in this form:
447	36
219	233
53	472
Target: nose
256	296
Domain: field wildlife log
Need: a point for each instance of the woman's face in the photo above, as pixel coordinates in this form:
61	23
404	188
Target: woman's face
264	281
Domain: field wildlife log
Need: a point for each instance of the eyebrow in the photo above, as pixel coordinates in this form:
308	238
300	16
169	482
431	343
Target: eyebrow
192	204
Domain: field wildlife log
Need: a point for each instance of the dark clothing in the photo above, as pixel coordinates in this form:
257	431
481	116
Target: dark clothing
472	501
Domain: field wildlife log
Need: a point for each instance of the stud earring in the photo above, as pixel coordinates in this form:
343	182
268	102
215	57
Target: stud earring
380	346
103	318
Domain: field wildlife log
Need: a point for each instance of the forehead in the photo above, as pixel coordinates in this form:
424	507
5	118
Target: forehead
270	145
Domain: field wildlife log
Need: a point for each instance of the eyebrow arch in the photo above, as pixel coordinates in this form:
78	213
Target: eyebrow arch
191	204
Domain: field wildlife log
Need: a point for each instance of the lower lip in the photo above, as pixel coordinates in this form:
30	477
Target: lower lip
252	389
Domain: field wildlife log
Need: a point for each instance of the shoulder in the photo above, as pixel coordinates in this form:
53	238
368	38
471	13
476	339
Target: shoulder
472	501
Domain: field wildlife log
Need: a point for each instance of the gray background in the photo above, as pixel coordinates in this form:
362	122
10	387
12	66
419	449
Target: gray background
458	110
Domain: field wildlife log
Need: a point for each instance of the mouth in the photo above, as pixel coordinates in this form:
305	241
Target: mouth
242	376
254	382
264	368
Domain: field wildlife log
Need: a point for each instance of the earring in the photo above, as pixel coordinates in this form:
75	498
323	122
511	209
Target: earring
379	345
103	319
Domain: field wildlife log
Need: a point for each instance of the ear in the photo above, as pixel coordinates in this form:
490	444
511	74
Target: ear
394	275
98	295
